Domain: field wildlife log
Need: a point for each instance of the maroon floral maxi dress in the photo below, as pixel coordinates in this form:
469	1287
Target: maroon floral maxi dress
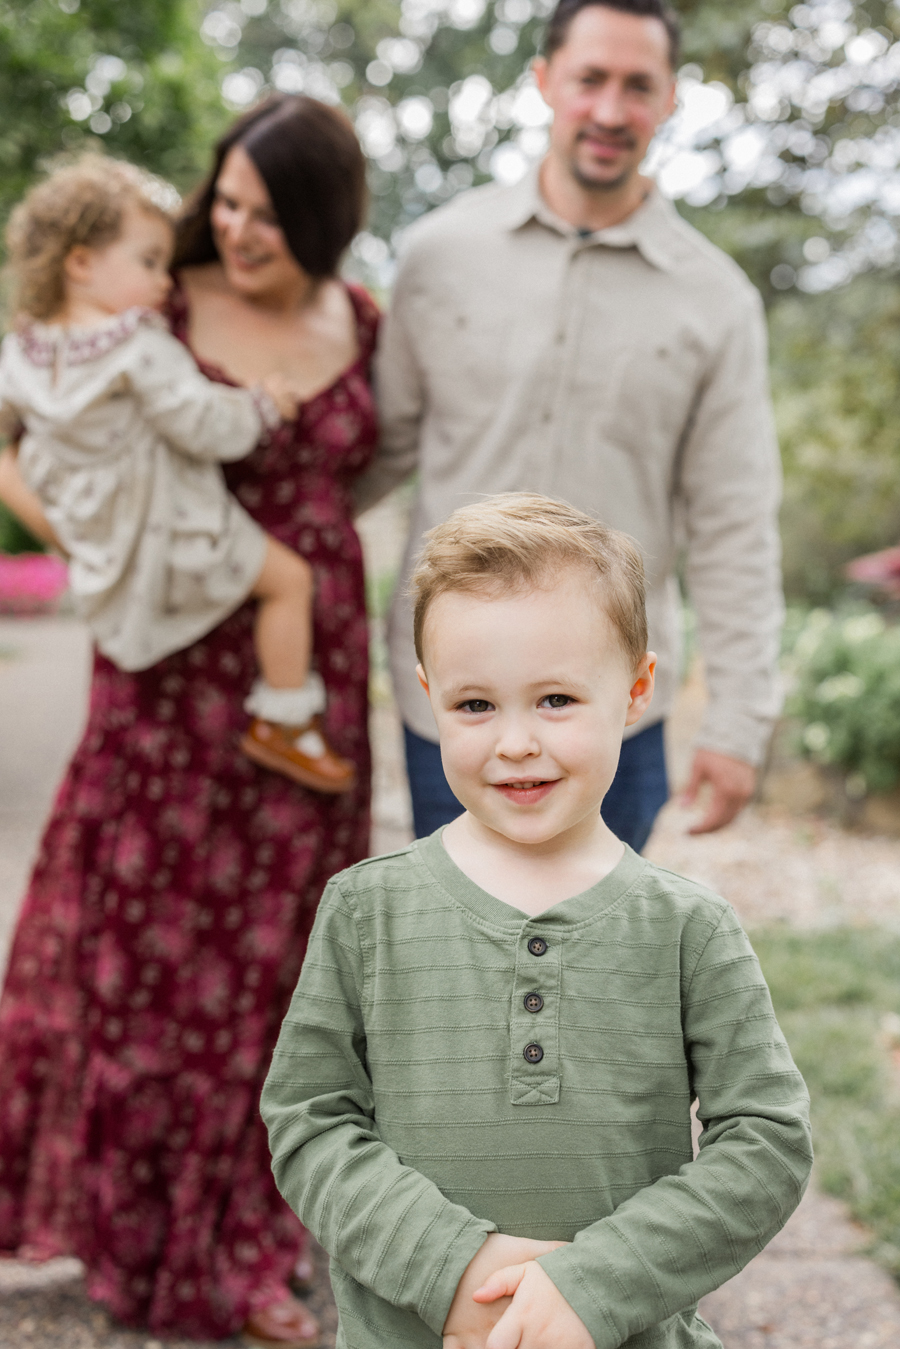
165	926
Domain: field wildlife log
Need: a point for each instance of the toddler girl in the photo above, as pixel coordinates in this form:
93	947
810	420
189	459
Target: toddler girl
122	436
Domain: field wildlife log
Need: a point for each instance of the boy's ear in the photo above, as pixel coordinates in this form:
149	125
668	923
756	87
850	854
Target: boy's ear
423	678
641	694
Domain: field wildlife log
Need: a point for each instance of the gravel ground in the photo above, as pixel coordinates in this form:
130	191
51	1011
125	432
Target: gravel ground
776	868
810	1289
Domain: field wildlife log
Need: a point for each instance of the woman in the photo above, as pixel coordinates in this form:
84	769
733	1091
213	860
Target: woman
174	892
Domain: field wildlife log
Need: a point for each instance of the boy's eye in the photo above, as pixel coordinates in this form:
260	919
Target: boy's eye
556	700
476	705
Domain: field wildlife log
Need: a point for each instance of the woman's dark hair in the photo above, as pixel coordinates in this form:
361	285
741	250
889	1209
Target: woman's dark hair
558	24
309	158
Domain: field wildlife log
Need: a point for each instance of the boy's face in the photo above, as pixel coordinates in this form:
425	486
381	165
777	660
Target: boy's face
531	693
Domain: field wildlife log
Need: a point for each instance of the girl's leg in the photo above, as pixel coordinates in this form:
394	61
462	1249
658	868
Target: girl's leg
283	633
286	701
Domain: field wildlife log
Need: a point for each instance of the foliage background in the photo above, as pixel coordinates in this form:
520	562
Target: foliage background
785	153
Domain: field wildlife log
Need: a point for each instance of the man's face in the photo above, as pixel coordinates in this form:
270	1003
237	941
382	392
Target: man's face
610	87
531	692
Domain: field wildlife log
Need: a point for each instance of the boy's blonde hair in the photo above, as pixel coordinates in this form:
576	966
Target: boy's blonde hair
520	540
82	203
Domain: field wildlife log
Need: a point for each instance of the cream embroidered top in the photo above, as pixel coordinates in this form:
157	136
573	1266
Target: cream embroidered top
121	443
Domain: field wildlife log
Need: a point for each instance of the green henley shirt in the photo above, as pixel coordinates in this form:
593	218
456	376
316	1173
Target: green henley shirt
450	1067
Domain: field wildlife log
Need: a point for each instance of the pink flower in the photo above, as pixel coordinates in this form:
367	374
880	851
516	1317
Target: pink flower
31	583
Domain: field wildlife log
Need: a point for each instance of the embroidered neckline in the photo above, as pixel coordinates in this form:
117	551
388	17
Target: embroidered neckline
44	343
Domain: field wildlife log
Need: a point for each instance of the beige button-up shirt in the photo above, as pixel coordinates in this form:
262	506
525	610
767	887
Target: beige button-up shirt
624	371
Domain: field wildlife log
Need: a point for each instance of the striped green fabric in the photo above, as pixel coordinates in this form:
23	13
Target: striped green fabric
410	1113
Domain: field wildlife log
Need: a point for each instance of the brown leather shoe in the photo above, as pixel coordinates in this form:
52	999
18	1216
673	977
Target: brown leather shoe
286	1325
299	752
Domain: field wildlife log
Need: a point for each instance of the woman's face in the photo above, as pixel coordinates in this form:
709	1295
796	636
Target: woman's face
248	237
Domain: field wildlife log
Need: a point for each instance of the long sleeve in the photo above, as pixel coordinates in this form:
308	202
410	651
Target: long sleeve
201	419
400	393
730	482
687	1233
385	1224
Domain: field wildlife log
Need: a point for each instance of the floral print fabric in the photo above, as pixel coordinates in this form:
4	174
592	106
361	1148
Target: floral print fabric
166	922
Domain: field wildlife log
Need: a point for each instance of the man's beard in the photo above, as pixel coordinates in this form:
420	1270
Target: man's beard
590	184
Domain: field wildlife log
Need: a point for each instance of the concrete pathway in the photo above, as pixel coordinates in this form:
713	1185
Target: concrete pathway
44	671
811	1289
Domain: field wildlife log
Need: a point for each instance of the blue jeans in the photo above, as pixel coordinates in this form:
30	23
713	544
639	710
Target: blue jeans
639	791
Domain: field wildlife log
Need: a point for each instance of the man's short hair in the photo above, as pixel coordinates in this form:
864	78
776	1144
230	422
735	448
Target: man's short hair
521	541
558	24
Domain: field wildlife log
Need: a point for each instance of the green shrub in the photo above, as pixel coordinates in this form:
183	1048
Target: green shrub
837	403
844	672
837	997
14	537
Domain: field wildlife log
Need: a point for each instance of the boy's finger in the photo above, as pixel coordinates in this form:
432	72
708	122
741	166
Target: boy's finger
692	787
502	1283
507	1333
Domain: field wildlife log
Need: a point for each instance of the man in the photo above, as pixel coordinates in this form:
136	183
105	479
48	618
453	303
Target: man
572	335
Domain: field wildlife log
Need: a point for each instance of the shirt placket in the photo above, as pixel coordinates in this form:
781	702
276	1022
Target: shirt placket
556	409
534	1018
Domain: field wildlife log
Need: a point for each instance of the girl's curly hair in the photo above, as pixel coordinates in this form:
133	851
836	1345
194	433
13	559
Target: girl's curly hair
81	203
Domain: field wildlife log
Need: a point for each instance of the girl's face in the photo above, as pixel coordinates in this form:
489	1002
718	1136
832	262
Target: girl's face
131	271
248	237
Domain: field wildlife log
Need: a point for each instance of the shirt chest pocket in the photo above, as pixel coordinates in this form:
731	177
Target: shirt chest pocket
465	350
642	392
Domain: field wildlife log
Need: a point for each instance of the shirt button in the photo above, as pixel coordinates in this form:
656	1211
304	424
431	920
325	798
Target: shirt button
533	1053
533	1002
537	946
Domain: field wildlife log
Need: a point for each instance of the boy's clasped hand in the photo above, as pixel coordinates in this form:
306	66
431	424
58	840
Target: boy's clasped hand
506	1301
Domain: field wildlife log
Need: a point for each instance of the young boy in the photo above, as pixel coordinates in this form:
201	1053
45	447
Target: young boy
480	1100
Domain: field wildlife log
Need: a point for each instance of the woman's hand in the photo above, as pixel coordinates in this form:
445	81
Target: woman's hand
468	1324
538	1317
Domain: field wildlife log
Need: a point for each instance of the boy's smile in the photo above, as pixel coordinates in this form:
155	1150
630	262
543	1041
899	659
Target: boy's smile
531	692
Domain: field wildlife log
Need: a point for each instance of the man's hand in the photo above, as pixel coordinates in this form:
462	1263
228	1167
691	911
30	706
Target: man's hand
468	1324
732	783
539	1317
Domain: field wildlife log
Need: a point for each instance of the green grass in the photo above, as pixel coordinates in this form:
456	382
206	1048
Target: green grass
837	996
14	537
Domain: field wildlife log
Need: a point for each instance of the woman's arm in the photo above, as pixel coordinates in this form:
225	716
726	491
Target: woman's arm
22	501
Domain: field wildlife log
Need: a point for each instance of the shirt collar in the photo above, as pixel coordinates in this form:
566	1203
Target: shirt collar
648	229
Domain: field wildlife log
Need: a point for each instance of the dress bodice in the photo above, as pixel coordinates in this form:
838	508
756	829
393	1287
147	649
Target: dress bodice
301	472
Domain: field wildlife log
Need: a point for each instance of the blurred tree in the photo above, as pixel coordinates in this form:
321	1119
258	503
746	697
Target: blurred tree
835	359
785	152
135	77
789	113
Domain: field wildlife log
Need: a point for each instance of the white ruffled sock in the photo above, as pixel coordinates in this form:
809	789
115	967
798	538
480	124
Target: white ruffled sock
288	707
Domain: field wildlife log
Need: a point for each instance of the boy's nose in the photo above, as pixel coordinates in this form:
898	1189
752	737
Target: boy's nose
517	741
